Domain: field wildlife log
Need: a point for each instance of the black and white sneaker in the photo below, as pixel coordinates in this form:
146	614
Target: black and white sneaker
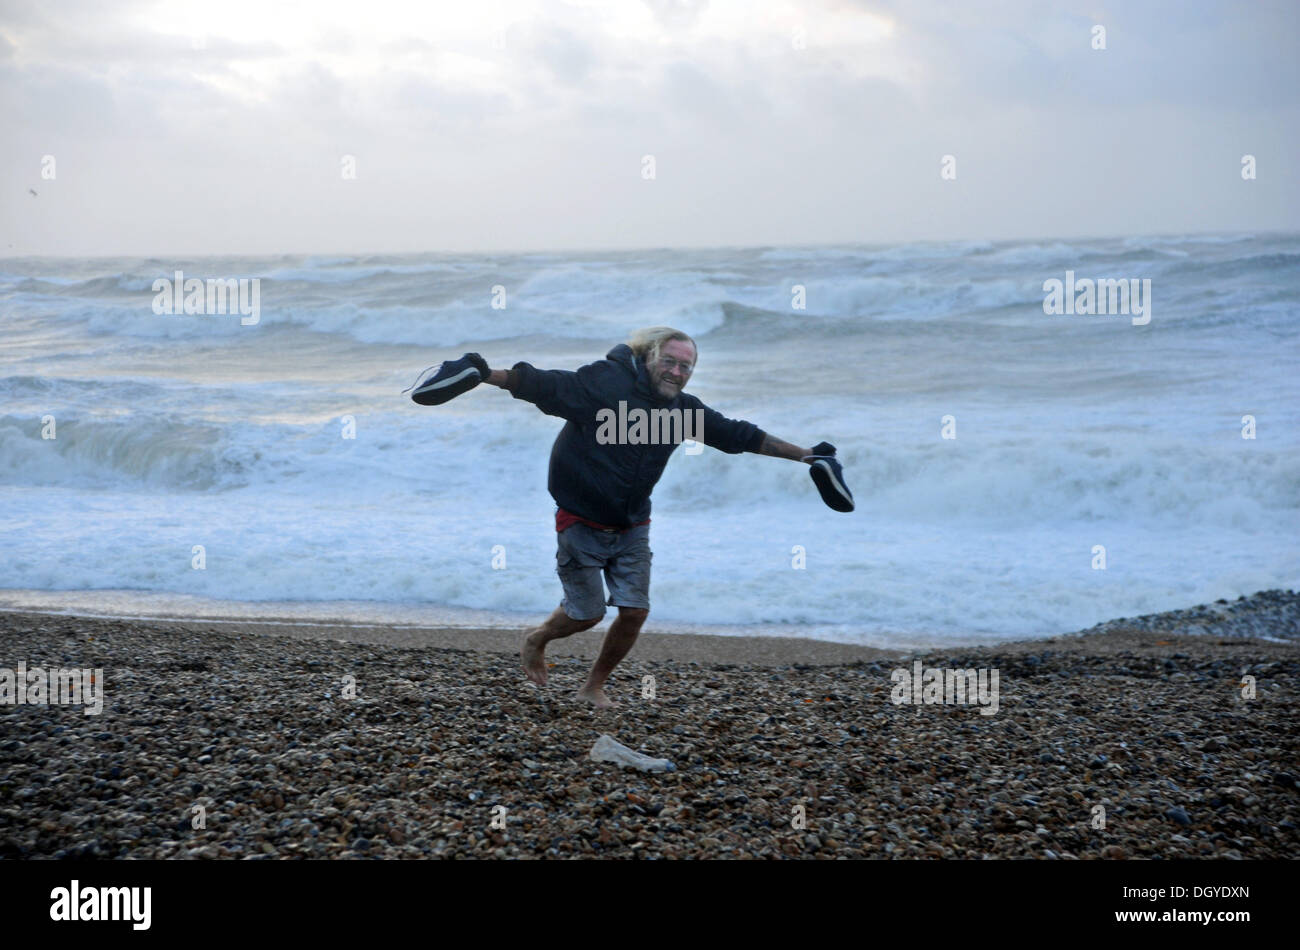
449	380
828	476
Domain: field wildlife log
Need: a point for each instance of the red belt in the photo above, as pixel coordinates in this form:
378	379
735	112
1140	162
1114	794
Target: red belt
567	519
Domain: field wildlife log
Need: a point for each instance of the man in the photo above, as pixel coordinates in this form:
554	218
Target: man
602	486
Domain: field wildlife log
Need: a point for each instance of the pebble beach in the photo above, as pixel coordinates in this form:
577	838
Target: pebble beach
1167	736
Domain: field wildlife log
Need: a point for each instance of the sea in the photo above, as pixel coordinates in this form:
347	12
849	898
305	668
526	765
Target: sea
1018	473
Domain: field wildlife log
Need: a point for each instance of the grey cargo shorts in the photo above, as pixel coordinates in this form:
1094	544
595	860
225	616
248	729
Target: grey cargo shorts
584	553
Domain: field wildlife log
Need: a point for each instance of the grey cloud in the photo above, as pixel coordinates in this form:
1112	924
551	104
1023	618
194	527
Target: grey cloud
755	143
568	58
677	13
1225	54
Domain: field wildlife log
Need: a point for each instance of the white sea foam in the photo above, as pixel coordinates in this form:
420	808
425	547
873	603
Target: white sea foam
1071	433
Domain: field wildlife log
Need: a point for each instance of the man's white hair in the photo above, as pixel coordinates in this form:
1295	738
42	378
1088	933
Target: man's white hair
647	342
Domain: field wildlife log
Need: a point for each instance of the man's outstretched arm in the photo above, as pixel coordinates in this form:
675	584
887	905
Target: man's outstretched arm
557	392
784	450
736	435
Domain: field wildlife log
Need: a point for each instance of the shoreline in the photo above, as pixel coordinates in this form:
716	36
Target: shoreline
695	648
1262	618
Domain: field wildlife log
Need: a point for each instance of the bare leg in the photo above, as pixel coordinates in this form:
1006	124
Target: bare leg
557	625
618	641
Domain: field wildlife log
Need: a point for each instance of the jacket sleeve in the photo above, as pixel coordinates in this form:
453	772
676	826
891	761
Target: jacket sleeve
730	435
559	392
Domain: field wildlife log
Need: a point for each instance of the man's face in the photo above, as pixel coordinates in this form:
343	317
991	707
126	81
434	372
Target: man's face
669	373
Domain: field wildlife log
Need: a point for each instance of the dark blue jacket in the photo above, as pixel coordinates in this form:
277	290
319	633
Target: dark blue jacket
611	483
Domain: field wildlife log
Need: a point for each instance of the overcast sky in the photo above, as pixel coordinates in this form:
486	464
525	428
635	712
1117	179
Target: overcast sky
194	128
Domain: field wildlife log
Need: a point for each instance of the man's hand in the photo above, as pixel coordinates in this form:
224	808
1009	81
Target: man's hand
496	377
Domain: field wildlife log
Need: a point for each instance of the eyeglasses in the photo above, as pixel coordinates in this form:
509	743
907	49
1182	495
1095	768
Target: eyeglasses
667	362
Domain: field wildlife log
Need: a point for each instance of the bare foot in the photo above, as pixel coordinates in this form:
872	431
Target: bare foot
596	697
534	658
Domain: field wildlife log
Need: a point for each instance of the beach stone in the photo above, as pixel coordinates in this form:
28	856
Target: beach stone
347	772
